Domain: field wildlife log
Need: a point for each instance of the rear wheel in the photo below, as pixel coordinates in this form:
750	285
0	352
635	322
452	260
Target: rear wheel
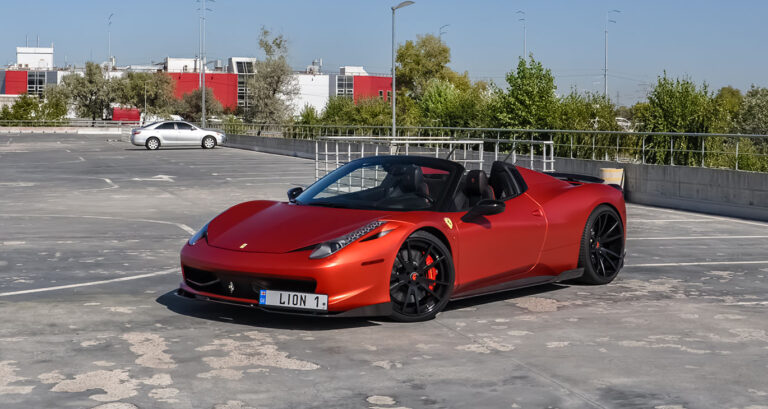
152	143
422	278
209	142
602	246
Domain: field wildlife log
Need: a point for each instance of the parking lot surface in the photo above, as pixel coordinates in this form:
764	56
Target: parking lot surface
91	230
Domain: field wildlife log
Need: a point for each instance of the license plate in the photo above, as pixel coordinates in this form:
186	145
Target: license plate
289	299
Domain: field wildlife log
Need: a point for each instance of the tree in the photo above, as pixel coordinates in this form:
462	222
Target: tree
25	108
587	111
308	116
272	88
130	90
729	100
190	106
529	100
753	114
91	93
445	104
55	103
679	105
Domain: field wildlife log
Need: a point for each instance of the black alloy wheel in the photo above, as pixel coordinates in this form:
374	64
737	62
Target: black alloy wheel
422	278
602	246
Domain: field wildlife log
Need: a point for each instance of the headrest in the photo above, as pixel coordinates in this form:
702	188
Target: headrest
476	183
409	178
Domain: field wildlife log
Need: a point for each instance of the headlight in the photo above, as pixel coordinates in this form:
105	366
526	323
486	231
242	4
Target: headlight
332	246
199	235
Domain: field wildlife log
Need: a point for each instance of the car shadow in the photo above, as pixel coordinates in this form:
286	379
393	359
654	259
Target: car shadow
234	314
175	148
503	296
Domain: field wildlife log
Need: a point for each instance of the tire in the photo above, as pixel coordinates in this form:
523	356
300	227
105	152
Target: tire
209	142
418	290
152	143
602	247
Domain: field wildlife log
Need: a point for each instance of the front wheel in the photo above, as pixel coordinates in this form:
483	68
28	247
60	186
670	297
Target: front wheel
209	142
422	278
602	246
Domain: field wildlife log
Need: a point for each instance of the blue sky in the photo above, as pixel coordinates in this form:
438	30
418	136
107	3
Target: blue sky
720	42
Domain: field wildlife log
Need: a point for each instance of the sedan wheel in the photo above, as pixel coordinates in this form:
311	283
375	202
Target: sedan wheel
152	143
209	142
422	278
602	246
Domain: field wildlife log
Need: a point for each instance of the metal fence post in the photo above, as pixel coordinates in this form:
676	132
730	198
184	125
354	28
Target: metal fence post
643	152
737	154
702	152
672	151
571	146
617	147
593	146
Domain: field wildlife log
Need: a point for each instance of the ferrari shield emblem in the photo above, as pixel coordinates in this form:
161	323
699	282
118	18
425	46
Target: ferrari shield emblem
231	287
448	222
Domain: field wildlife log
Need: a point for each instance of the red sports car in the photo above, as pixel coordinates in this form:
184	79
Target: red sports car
400	236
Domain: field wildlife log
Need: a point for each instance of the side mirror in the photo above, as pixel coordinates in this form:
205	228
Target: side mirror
294	193
485	207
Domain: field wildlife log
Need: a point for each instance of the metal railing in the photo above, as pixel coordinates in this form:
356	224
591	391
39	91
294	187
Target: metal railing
75	123
725	151
331	152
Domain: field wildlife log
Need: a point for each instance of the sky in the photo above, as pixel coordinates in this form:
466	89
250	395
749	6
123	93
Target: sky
717	42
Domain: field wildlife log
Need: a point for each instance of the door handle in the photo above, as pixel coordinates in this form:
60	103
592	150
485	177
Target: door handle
537	213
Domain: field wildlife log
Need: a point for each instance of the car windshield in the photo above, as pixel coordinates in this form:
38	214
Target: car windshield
383	183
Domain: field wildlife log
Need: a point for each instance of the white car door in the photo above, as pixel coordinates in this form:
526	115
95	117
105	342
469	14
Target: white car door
187	134
167	132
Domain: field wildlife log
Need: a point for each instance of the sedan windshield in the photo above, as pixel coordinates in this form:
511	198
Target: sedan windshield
383	183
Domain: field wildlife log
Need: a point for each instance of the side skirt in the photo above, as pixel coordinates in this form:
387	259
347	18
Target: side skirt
525	282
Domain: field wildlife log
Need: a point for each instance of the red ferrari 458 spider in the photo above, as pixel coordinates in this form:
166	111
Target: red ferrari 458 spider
400	236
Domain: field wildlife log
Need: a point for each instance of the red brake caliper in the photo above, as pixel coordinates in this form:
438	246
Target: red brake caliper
432	272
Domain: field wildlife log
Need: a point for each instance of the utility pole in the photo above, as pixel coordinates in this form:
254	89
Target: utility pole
109	45
394	89
525	32
203	8
605	61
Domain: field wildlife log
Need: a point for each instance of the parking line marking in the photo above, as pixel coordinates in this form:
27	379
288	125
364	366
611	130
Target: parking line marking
114	280
697	237
700	263
727	219
631	220
182	226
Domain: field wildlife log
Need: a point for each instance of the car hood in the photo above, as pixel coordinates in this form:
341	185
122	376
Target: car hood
277	227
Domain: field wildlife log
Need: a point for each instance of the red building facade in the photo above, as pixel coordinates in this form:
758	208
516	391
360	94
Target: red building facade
224	86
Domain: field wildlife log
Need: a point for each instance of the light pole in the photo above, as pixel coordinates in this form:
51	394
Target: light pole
202	55
109	45
605	61
525	32
145	100
440	32
394	89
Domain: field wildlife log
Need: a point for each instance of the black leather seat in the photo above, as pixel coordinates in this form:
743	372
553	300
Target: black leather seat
409	179
476	187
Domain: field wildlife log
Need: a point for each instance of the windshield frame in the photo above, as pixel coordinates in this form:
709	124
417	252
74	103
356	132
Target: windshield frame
455	172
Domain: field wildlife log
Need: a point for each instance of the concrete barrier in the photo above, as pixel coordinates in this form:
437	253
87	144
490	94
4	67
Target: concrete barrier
716	191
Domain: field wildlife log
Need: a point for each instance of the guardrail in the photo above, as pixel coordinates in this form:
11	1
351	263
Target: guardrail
69	123
727	151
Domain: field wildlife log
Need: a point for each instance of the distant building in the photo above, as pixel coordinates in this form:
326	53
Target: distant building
34	70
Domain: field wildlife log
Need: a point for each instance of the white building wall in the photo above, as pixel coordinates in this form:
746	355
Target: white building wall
34	57
313	91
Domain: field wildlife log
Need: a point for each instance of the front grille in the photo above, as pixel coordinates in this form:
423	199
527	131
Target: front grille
242	286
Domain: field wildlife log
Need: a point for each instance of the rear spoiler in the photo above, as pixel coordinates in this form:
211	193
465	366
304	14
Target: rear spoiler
577	179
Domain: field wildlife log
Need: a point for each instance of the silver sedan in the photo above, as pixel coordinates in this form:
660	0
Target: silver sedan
175	133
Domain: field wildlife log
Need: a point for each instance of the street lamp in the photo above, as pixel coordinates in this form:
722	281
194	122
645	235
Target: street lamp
440	32
394	89
202	54
525	32
605	62
109	45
